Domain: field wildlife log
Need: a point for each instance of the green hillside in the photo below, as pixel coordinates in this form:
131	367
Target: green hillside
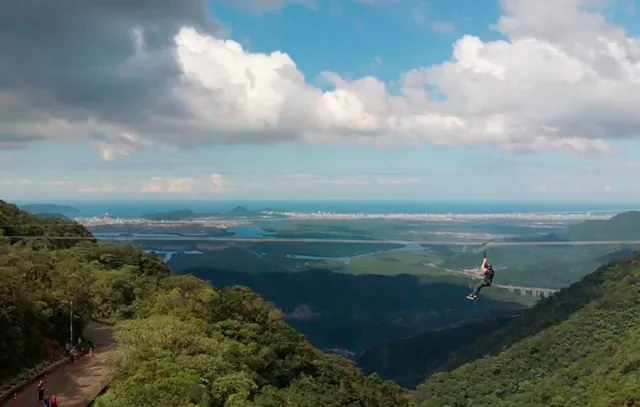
624	226
181	342
408	361
579	348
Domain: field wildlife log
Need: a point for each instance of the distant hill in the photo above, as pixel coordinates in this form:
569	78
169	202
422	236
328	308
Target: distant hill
358	312
50	208
240	211
624	226
579	347
188	214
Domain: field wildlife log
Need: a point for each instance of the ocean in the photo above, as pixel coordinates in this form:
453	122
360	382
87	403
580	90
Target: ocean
134	209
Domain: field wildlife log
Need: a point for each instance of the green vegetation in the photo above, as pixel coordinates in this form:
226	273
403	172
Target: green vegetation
578	348
624	226
180	341
261	257
15	223
339	311
408	361
42	278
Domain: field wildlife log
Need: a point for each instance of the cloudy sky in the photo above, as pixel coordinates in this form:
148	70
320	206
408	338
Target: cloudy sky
329	99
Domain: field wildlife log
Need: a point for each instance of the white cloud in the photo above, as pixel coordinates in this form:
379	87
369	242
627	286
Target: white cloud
563	80
170	185
215	183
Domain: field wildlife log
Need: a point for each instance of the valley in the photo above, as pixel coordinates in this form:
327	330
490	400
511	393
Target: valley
420	286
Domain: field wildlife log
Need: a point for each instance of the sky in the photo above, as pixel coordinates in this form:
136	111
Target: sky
320	99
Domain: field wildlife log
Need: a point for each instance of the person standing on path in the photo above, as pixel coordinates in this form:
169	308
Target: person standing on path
54	401
40	391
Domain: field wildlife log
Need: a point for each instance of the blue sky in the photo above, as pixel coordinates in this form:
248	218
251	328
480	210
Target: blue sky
595	157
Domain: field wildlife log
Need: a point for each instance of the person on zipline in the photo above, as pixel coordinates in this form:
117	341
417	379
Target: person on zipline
487	268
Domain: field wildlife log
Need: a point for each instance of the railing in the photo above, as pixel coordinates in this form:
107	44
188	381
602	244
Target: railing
9	389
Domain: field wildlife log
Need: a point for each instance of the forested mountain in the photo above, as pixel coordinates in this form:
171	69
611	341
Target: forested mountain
623	226
578	348
180	341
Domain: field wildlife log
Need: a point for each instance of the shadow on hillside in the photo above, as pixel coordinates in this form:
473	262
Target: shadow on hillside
340	311
409	361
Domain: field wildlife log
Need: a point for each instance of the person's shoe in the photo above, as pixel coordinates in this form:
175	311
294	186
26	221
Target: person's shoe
471	297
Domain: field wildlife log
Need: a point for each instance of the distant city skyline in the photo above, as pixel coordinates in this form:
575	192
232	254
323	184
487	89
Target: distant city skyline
322	99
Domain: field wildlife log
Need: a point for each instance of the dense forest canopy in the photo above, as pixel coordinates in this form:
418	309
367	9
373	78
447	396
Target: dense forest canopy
180	340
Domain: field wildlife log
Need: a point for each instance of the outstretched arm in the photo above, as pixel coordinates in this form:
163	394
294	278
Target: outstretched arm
484	263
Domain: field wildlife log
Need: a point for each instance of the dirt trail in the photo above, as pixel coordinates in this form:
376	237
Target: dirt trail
75	384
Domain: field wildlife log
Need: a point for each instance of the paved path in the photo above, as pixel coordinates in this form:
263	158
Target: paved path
75	385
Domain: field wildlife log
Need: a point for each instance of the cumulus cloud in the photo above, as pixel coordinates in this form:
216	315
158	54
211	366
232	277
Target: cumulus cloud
175	185
128	76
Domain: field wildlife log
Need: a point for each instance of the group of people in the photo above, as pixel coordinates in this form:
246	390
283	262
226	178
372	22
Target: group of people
46	400
72	352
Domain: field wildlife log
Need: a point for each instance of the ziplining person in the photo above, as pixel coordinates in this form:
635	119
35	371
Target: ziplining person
488	271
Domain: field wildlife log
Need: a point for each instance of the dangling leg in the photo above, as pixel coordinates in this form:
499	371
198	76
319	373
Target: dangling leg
476	290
